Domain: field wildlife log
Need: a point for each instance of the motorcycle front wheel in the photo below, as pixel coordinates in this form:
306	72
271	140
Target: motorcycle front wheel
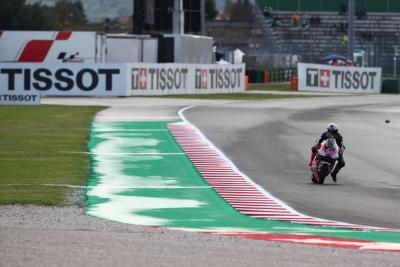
323	172
314	180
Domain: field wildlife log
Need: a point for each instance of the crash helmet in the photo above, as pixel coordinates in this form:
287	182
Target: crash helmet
333	128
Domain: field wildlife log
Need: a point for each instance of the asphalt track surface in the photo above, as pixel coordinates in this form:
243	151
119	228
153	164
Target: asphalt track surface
271	141
42	236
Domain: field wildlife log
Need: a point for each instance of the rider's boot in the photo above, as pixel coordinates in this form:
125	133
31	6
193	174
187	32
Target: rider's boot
333	174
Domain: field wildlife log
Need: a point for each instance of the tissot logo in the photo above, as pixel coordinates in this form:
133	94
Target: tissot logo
201	79
143	79
350	78
325	78
318	78
217	78
312	77
139	78
62	79
159	78
19	99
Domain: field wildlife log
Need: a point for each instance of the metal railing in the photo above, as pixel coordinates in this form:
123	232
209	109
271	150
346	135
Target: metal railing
269	39
330	5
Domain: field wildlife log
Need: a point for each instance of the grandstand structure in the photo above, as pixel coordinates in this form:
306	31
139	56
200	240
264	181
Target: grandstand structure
377	32
377	28
391	6
377	35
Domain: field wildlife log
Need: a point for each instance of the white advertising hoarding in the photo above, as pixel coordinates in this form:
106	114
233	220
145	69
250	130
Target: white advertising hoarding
47	46
124	79
167	79
326	78
64	79
20	99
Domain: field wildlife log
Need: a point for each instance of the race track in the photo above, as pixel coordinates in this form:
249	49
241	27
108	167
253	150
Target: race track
267	140
270	142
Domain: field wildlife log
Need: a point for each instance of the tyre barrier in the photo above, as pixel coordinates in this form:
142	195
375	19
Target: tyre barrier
390	86
294	82
271	75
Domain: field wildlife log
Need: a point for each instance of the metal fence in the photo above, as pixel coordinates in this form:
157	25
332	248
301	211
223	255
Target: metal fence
330	5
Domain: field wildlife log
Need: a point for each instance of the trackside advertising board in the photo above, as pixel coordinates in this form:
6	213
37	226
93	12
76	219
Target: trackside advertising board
20	99
326	78
47	46
164	79
73	79
125	79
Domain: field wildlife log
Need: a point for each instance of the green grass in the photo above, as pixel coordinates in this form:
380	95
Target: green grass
33	194
270	87
238	96
34	146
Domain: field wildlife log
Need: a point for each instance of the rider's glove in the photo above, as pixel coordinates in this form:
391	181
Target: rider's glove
315	148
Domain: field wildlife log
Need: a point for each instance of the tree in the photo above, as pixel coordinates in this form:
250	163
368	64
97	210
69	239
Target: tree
17	15
211	11
8	10
228	6
70	13
240	11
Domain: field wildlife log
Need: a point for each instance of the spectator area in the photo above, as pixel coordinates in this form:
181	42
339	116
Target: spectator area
330	5
376	32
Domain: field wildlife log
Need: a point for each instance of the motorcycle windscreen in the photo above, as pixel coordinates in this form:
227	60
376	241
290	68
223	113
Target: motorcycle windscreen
332	152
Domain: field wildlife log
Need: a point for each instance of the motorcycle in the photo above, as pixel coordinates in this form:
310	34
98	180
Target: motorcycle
324	161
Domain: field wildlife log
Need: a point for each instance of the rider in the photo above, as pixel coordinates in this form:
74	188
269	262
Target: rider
332	130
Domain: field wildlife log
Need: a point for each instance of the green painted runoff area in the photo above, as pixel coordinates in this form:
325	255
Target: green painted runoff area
140	175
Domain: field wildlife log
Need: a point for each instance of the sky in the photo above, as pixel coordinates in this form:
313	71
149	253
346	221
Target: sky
220	4
95	13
